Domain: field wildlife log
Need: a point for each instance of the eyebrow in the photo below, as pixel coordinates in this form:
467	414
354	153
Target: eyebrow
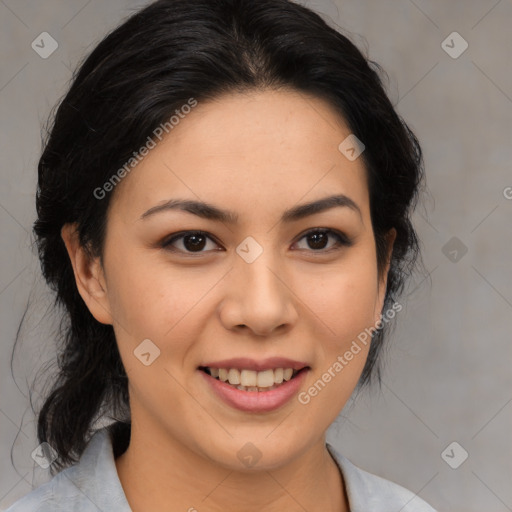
211	212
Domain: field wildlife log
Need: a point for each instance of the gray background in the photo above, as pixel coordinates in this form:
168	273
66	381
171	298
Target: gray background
447	370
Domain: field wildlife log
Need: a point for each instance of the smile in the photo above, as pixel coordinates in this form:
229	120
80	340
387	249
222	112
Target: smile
251	380
259	389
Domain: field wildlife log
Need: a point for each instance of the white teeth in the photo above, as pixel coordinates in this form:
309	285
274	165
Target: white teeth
248	378
266	378
234	376
251	380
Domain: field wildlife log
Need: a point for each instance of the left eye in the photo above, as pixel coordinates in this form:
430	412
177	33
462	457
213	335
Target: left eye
318	238
196	241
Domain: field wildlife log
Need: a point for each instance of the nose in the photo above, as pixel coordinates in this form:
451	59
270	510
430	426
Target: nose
259	297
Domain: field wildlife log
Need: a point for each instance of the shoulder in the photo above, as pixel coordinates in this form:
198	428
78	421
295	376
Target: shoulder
50	496
367	491
89	486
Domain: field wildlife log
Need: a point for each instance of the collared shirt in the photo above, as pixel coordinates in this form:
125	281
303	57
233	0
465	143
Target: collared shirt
93	485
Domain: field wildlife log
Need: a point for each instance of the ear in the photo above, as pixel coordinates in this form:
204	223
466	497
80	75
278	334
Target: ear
383	281
89	275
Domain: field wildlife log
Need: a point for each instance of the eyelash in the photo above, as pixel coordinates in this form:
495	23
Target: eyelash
342	240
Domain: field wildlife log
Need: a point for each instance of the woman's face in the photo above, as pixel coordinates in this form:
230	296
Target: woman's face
255	291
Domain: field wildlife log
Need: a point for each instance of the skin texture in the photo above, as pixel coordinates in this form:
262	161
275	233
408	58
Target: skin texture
257	154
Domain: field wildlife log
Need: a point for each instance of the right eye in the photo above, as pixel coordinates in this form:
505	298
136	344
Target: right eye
191	242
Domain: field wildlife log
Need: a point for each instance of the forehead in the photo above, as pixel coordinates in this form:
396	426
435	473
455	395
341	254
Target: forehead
259	150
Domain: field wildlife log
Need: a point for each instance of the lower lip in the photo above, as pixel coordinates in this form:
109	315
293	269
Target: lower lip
256	401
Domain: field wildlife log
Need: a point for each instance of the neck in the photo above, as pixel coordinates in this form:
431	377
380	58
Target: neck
156	469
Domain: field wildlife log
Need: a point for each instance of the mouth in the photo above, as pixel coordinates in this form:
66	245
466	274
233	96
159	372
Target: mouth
251	380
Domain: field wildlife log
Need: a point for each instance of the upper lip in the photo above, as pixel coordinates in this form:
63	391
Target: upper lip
245	363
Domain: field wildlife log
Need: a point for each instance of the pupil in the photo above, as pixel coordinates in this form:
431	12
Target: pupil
198	242
319	240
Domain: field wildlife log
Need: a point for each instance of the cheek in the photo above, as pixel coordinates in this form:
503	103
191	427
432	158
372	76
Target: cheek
344	299
344	306
150	299
134	292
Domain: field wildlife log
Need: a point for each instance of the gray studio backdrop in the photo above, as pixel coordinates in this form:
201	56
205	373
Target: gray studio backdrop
441	425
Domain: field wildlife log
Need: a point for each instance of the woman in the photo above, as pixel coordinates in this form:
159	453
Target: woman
224	210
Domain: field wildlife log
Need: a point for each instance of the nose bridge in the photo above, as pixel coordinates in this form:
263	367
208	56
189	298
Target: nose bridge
257	267
262	297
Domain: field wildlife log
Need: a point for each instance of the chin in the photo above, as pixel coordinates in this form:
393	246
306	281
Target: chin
256	452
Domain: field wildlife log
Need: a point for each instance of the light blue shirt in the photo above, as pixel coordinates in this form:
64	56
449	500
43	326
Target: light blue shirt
93	485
